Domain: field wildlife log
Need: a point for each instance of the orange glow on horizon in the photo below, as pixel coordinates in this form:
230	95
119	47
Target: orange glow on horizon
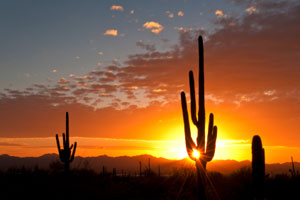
158	135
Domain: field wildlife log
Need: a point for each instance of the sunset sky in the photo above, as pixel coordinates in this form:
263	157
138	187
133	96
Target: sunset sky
118	68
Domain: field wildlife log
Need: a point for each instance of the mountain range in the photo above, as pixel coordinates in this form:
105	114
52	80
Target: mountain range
128	164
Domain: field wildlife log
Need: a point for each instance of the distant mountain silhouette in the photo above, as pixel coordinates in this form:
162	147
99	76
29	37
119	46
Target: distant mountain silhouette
131	164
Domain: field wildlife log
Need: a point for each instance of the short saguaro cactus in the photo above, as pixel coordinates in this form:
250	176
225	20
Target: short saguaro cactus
258	167
65	154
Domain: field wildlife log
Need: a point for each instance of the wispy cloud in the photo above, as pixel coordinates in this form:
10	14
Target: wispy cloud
117	7
269	92
148	47
112	32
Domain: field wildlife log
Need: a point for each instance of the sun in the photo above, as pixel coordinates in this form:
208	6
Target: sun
196	153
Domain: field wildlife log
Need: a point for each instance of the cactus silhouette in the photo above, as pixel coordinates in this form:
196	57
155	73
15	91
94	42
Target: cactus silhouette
293	171
258	167
65	153
206	154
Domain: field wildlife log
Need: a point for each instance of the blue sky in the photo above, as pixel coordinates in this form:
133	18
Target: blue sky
38	37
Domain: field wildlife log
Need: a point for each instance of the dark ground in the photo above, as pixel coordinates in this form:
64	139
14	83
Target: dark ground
85	184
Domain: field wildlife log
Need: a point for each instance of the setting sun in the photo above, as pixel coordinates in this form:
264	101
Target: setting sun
196	153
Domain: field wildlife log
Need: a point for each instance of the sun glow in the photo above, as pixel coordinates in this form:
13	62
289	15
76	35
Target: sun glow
196	153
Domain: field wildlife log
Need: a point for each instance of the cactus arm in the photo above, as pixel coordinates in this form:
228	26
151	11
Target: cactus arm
211	145
190	145
64	140
57	143
73	153
67	130
193	98
205	156
210	126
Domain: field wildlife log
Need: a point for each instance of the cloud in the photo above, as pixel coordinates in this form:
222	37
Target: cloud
170	15
116	61
117	7
112	32
269	92
154	27
250	10
219	13
63	80
225	53
11	144
180	14
47	117
148	47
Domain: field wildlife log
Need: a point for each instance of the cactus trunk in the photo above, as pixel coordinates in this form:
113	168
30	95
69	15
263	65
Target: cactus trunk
67	167
201	180
258	167
206	153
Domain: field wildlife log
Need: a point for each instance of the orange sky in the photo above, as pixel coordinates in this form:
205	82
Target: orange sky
252	86
162	135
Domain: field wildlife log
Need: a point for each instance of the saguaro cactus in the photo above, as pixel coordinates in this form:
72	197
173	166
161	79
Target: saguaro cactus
293	171
65	153
206	153
258	167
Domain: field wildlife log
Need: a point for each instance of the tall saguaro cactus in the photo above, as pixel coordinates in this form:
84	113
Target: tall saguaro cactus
206	151
258	167
65	153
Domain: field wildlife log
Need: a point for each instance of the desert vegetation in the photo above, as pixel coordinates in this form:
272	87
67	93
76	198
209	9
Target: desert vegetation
206	150
181	184
65	154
